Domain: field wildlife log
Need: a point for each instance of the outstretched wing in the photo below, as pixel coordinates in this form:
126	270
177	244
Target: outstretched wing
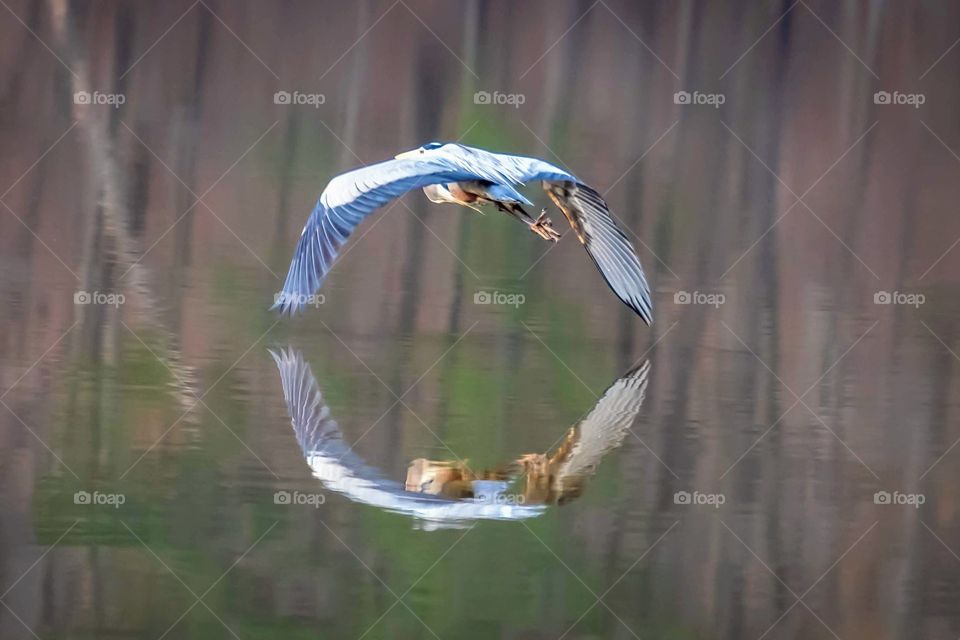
607	245
590	218
351	197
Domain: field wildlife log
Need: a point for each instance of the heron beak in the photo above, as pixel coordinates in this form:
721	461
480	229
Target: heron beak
407	155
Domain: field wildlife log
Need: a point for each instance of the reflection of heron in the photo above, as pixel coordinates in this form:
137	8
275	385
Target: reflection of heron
556	477
471	177
448	493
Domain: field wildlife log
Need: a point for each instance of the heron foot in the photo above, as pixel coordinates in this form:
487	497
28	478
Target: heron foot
543	227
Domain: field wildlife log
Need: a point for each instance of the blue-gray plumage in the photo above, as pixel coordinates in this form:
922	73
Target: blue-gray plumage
454	173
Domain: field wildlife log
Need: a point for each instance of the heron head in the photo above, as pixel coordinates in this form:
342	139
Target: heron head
419	151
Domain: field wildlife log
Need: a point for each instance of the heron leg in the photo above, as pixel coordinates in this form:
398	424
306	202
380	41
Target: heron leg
542	226
543	223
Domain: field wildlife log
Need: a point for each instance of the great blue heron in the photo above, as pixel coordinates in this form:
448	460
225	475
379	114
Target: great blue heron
449	493
454	173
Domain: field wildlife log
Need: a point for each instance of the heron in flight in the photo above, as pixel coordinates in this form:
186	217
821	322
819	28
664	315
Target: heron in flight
457	174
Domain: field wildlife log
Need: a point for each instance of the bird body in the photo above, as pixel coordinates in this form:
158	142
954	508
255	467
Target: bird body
457	174
472	193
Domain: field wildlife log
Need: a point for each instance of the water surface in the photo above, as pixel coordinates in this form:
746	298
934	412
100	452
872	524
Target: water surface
144	444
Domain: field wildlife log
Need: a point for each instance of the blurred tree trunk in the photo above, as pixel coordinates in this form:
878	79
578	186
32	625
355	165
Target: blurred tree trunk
356	81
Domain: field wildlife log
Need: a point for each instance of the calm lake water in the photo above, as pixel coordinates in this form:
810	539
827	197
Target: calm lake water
433	451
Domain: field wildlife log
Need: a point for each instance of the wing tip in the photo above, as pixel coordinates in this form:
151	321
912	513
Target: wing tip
639	371
287	304
284	355
643	308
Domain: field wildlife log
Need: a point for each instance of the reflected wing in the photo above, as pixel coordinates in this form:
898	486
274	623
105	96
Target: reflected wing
315	429
348	200
333	462
607	245
607	424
